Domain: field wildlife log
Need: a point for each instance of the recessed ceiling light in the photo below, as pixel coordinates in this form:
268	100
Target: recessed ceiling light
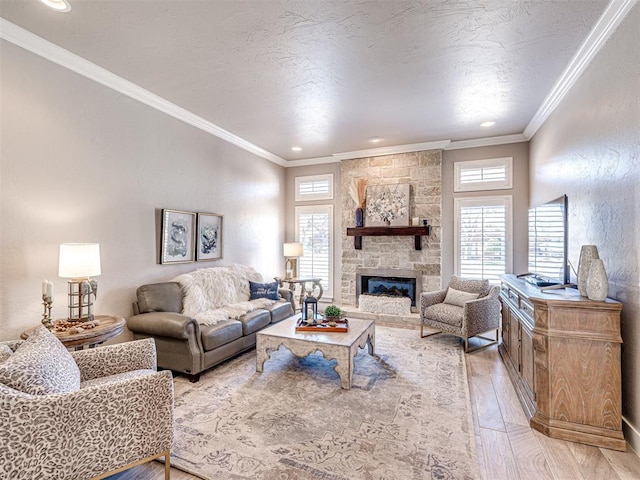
57	5
487	124
375	139
296	149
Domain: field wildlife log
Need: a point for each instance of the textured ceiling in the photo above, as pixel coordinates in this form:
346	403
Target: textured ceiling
327	75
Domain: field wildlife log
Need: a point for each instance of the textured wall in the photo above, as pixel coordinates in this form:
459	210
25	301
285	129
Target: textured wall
590	149
82	163
422	170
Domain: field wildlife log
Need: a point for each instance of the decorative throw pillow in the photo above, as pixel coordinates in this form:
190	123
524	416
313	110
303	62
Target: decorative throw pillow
5	352
459	298
263	290
41	366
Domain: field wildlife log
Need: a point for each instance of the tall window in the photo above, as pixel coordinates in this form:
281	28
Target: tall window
483	237
314	227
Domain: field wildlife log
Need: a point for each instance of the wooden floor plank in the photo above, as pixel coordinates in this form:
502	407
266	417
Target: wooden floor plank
508	401
489	414
499	460
626	464
529	457
562	463
594	465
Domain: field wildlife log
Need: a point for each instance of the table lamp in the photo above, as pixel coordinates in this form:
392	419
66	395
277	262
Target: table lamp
79	262
291	252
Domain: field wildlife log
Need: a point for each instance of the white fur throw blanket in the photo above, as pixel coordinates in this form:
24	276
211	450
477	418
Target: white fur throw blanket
219	293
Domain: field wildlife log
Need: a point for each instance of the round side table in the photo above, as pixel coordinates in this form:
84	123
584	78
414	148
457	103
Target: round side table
110	326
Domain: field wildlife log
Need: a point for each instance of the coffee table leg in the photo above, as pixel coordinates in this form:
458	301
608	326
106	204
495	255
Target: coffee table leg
372	341
261	355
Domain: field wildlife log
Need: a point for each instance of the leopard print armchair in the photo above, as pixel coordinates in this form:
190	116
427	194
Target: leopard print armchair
466	308
120	416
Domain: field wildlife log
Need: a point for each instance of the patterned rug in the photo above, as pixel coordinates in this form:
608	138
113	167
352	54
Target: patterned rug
407	416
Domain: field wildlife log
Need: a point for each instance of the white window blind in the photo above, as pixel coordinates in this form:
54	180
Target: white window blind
315	187
483	237
490	174
314	227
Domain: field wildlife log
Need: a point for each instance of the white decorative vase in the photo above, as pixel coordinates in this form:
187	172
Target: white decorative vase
597	283
587	253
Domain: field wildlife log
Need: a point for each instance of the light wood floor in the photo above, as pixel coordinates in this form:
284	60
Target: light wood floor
507	448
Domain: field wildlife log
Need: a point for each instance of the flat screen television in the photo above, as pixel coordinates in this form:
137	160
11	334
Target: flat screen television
548	234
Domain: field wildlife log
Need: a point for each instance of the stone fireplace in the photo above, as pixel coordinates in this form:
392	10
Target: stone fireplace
394	254
389	282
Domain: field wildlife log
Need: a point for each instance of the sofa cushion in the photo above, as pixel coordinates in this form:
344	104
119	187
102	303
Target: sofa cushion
223	332
160	297
279	311
41	366
263	290
481	287
445	313
458	297
116	378
254	321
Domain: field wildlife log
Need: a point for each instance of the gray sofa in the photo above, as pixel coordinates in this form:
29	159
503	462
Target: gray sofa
182	343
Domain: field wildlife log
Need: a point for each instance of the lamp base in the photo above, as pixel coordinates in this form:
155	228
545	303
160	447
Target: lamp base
81	293
291	268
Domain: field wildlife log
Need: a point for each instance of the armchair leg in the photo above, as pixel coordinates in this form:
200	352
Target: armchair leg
167	465
422	335
490	341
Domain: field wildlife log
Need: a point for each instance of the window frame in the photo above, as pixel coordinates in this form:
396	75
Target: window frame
300	197
459	167
321	208
485	201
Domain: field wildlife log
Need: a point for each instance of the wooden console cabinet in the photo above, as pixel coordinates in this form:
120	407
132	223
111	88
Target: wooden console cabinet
562	352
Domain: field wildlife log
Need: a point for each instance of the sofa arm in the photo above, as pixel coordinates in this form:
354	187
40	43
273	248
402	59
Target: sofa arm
287	294
118	358
164	324
88	432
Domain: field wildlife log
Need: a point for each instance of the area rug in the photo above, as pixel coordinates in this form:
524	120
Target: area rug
407	416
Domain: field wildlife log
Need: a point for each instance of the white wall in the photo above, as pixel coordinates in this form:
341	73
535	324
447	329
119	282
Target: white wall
589	149
82	163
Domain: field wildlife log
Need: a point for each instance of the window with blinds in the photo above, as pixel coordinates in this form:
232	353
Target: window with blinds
483	237
314	227
490	174
315	187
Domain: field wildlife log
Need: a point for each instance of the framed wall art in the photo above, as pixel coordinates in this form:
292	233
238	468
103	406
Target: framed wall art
209	238
388	205
178	236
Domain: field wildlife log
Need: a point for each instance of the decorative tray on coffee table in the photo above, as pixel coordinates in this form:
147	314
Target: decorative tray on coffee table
323	325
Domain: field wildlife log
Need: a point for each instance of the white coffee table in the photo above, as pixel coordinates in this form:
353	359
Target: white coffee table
340	346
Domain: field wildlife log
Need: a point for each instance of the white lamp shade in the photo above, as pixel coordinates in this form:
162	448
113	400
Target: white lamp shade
79	260
293	249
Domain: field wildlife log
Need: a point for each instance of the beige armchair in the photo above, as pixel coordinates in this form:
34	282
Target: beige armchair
58	423
466	308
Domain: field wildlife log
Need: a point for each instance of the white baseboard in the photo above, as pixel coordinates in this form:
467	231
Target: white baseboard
631	435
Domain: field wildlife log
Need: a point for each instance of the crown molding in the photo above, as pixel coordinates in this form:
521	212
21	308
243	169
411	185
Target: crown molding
376	152
39	46
613	15
487	141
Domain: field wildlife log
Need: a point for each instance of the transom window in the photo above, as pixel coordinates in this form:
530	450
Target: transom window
491	174
314	187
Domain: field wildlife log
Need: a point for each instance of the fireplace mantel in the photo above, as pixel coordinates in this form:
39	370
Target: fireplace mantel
417	232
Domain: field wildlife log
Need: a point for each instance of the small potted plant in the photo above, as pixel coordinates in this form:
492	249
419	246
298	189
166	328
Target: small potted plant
332	314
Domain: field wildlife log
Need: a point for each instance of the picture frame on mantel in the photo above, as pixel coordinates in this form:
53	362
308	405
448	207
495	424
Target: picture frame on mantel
388	205
209	241
178	235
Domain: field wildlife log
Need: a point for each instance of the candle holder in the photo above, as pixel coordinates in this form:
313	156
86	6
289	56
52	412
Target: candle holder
47	302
